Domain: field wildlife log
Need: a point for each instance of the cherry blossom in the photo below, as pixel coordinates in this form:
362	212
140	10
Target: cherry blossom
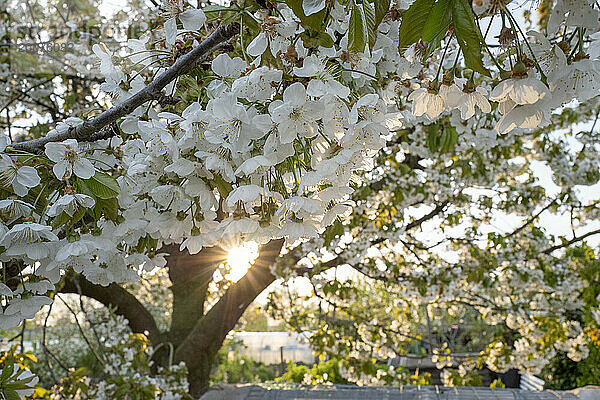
68	160
21	179
296	116
342	142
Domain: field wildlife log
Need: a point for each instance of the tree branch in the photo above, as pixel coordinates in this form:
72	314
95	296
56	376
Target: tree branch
92	130
295	256
570	242
530	220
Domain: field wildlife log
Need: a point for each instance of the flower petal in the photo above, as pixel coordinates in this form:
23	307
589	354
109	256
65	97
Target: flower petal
311	7
28	176
192	19
171	31
257	46
83	168
62	170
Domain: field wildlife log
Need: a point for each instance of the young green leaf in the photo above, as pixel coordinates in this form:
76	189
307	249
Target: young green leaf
65	219
371	22
107	207
325	40
103	186
314	21
381	8
222	185
357	29
438	21
413	21
10	394
468	35
7	371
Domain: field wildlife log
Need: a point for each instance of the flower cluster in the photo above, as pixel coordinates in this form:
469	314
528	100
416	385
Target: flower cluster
125	366
272	138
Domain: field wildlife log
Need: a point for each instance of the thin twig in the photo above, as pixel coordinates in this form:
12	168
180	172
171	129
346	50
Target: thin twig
46	350
22	344
570	242
92	349
91	322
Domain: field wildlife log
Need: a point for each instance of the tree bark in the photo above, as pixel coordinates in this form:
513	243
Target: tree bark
190	276
94	129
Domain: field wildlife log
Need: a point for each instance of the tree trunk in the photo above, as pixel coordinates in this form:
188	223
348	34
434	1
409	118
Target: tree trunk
202	343
190	277
199	374
196	335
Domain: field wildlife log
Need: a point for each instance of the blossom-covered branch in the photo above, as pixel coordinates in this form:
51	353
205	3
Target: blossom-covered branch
89	131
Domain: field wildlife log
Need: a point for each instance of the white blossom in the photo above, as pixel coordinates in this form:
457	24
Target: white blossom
68	160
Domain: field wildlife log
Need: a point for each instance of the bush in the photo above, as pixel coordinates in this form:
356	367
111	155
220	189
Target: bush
234	367
562	373
115	365
327	371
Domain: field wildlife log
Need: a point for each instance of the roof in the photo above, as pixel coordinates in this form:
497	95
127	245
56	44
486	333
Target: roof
411	392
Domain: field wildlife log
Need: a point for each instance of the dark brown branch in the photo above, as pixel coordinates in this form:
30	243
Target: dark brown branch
570	242
92	130
530	220
438	209
47	351
140	319
339	260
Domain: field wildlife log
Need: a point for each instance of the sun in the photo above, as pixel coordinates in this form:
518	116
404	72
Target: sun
240	259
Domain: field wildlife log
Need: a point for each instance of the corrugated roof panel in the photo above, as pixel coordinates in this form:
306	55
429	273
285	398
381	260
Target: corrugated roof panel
409	392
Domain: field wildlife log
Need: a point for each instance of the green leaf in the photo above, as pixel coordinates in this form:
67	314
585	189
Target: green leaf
333	231
11	395
38	197
433	137
7	371
315	21
370	19
468	35
60	220
448	139
381	8
438	21
357	29
103	186
80	373
413	22
107	207
325	40
82	187
21	384
222	185
65	219
78	215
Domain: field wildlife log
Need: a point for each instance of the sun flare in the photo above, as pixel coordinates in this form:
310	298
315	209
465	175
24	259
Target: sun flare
240	259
